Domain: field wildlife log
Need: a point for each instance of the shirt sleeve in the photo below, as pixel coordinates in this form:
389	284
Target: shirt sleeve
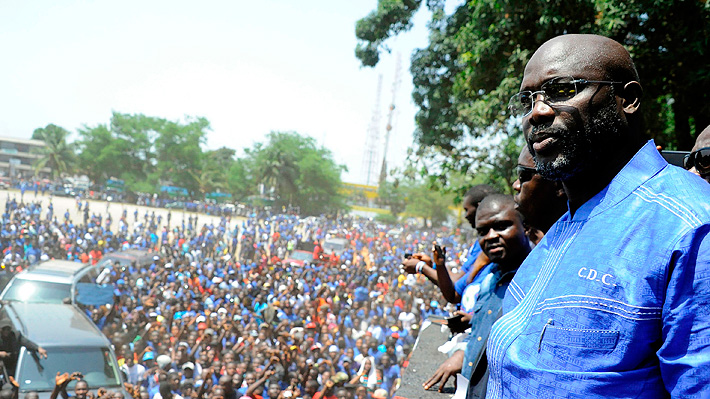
460	284
24	341
685	352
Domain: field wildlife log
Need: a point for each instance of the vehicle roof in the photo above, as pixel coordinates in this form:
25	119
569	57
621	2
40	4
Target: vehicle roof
335	239
131	255
59	271
53	325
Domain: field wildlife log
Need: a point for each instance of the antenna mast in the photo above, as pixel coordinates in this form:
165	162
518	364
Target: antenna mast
373	137
390	116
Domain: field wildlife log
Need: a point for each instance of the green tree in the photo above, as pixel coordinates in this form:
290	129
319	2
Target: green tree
240	182
215	170
318	183
297	172
179	156
123	149
148	151
393	196
425	203
475	58
57	154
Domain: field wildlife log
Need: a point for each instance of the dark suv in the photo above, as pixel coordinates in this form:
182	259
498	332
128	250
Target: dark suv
72	341
53	281
141	258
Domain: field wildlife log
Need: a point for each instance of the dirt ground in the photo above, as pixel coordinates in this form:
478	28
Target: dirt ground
62	204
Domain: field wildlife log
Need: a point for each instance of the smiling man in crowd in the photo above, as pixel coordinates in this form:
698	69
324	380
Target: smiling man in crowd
502	238
613	302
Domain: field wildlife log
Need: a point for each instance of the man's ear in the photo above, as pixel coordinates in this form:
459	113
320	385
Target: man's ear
631	97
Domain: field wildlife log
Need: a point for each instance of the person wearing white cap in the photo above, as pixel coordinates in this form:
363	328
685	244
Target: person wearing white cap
188	370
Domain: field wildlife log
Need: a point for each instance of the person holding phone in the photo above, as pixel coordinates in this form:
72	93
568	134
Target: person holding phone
473	267
502	237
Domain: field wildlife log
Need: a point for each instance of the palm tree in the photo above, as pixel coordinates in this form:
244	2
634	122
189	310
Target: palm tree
279	170
57	154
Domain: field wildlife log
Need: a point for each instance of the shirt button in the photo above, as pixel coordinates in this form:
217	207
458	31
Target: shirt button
490	311
470	364
480	338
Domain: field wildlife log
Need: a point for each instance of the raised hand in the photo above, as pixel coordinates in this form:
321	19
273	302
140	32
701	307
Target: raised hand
62	379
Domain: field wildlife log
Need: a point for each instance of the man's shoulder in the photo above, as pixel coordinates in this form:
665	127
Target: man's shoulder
679	192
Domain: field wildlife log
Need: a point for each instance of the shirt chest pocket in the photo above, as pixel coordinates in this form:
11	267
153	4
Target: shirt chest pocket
600	340
577	349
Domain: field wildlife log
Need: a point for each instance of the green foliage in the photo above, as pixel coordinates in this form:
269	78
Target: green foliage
427	204
392	196
390	18
387	218
57	153
122	149
179	156
415	199
146	152
475	58
296	172
239	181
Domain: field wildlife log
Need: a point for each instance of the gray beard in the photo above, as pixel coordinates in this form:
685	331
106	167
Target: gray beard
582	150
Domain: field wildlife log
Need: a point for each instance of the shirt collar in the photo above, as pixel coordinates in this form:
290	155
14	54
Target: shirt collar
646	163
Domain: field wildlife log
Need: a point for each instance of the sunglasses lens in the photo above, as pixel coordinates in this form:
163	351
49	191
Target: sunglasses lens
520	104
560	89
686	162
702	160
525	174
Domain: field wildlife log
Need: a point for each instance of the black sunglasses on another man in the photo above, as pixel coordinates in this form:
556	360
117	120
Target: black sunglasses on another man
700	159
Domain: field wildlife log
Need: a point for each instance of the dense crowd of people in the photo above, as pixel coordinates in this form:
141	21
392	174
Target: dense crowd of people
219	307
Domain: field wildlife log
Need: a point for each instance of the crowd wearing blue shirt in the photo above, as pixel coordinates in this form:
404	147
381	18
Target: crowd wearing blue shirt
223	297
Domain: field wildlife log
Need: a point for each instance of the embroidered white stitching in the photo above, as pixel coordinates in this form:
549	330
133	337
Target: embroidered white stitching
600	298
649	200
679	206
653	312
601	310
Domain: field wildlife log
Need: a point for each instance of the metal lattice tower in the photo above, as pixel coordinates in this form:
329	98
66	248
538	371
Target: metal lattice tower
371	156
390	116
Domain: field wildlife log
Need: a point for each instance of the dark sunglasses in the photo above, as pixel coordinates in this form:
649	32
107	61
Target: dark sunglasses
700	159
525	173
553	91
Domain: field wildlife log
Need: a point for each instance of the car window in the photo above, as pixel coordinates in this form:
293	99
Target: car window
94	363
299	255
37	291
93	273
333	246
86	278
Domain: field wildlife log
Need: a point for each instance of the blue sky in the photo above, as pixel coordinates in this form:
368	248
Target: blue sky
248	67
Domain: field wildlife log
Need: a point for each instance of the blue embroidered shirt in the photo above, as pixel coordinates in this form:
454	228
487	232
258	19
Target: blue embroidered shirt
615	300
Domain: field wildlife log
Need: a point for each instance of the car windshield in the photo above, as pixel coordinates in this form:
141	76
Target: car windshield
333	246
111	260
94	363
300	255
37	291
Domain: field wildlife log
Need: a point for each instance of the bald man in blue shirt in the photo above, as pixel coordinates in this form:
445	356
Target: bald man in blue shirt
615	300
